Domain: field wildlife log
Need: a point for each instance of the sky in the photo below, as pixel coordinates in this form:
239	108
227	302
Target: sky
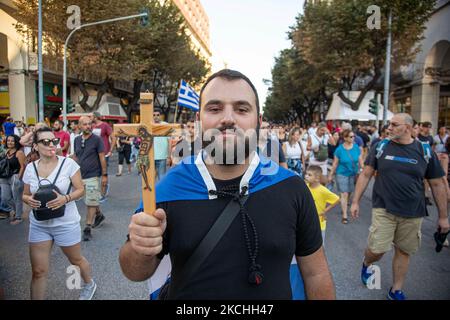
247	35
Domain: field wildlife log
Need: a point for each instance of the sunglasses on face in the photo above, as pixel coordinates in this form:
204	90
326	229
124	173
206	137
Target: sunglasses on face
47	142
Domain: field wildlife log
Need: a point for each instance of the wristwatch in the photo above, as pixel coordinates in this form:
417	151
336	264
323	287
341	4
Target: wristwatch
105	174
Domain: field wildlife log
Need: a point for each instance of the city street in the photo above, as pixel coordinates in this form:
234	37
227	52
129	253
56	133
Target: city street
428	277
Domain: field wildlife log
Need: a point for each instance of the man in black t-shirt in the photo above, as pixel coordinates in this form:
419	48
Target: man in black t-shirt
398	199
253	258
90	155
425	135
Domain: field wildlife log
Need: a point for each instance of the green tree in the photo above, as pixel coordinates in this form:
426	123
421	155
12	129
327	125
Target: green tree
158	55
297	88
333	37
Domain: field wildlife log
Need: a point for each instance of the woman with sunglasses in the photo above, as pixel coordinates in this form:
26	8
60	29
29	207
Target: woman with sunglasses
65	231
347	164
11	182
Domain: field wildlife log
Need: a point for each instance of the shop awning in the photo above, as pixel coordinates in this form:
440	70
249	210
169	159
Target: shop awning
339	110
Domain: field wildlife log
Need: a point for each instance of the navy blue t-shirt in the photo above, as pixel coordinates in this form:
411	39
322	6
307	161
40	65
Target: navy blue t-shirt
399	185
87	154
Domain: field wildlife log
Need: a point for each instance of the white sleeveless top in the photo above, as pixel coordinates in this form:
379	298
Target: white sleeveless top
293	152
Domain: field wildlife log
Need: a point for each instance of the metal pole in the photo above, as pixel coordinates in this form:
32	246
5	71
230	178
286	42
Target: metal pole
377	123
64	111
387	73
40	70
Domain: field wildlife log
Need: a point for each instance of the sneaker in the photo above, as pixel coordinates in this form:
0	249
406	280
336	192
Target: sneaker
365	274
98	220
88	290
397	295
87	234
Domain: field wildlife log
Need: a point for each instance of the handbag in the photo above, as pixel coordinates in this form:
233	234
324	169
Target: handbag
205	247
5	170
353	165
45	194
322	154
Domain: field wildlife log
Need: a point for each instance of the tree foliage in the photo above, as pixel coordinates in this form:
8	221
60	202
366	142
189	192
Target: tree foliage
297	88
155	57
333	37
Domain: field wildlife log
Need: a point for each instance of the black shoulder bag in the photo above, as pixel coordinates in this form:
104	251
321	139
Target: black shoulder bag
205	247
45	194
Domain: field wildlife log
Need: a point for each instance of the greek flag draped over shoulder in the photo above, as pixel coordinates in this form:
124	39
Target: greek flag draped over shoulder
187	97
190	180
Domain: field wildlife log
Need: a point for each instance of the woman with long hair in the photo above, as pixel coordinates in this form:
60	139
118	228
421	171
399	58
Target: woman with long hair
64	231
294	152
11	178
347	164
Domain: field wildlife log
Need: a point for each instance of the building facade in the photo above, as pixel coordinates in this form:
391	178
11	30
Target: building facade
18	66
17	86
423	88
198	25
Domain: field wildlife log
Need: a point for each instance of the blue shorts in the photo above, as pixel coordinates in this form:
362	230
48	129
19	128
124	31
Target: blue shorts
345	184
64	235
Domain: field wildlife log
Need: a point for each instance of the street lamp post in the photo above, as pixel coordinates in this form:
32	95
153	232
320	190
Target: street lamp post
144	14
40	69
387	69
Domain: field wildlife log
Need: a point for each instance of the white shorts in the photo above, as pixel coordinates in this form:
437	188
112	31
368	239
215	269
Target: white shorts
322	164
64	235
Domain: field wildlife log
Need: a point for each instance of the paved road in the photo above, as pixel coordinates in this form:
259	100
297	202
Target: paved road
428	278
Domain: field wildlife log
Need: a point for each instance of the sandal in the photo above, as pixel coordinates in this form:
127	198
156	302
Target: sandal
16	221
344	220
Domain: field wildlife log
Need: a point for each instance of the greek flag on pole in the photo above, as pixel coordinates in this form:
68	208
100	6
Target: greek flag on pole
187	97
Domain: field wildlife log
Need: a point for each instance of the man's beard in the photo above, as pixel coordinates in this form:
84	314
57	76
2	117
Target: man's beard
87	131
228	152
56	129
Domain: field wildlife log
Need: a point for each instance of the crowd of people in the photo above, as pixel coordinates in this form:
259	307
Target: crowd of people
320	167
48	169
336	160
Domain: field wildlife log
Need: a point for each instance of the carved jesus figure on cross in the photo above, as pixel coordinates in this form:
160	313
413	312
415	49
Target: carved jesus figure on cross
146	130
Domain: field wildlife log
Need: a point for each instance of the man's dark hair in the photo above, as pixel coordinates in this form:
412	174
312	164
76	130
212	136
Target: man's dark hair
60	122
384	128
426	124
231	75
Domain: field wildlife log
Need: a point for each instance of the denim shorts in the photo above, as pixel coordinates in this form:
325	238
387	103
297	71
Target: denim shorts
65	235
345	184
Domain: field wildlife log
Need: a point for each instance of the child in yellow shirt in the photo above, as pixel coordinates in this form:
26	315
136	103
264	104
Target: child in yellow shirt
324	199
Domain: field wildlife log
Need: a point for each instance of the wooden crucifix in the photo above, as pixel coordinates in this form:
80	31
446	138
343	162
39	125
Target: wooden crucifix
146	130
